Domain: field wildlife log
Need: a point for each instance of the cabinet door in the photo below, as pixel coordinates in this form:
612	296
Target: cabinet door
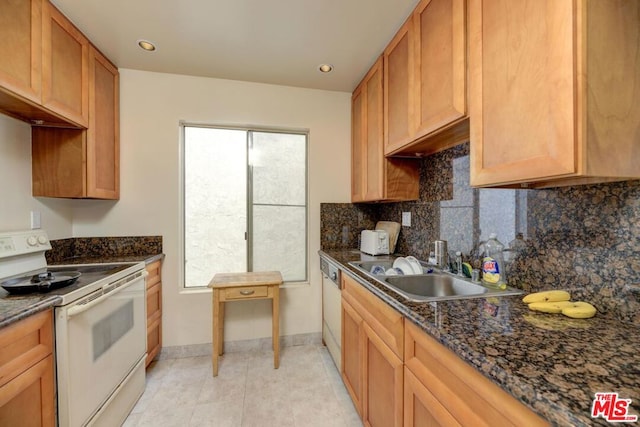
421	408
440	63
375	173
522	90
352	349
398	89
65	67
21	47
382	387
358	144
368	162
374	177
28	399
103	139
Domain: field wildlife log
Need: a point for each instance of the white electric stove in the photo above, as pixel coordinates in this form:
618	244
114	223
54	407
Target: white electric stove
100	327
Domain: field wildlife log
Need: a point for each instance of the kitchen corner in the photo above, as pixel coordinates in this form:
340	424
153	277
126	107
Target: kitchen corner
91	309
582	239
553	366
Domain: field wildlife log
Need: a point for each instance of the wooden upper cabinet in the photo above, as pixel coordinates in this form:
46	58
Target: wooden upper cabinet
21	47
399	89
358	145
82	163
374	178
65	67
553	92
103	139
440	74
367	153
425	74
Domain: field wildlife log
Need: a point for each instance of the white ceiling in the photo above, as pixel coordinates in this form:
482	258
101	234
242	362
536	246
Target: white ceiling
270	41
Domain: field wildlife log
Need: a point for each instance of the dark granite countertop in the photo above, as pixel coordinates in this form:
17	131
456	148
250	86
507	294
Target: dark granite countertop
551	363
17	307
147	259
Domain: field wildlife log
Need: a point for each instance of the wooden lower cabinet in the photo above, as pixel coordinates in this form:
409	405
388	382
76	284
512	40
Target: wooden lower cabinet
421	407
441	389
154	310
382	382
398	375
372	355
352	352
26	372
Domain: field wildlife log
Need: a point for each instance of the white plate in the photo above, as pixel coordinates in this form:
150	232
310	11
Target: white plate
415	264
403	265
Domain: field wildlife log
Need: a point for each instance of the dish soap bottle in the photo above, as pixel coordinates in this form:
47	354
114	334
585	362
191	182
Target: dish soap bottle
493	272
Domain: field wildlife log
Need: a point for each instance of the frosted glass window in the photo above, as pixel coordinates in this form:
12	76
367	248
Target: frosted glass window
280	240
245	202
279	168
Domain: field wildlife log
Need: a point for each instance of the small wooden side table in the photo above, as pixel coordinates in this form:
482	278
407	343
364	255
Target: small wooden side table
244	286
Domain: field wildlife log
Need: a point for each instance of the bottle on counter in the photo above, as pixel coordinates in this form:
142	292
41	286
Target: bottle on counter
493	271
518	244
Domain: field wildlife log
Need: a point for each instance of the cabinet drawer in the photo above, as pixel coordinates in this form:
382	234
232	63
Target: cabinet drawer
245	292
386	321
25	343
469	396
154	340
154	270
154	300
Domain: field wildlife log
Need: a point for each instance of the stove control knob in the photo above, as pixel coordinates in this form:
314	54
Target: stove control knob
32	240
42	239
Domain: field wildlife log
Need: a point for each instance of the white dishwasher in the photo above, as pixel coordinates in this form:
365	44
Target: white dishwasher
331	309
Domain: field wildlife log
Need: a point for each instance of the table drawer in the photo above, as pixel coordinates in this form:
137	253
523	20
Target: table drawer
245	292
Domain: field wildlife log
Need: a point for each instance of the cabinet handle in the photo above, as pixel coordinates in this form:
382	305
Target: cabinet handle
247	292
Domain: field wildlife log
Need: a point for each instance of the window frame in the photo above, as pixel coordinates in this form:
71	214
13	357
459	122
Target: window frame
249	199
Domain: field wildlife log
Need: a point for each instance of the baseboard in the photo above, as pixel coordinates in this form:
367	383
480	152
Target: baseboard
195	350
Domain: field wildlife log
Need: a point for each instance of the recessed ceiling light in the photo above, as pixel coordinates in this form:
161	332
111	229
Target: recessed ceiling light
325	68
146	45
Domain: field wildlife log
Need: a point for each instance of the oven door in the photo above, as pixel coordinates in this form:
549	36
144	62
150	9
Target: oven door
99	340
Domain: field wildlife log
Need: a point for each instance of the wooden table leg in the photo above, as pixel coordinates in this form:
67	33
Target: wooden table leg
216	331
221	326
275	316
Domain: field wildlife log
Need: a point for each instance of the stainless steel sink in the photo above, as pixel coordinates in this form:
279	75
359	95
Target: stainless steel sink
433	285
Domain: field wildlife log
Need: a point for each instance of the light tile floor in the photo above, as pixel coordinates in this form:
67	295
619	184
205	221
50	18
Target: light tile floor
305	391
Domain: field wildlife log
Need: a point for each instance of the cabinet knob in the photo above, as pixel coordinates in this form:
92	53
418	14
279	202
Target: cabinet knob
247	292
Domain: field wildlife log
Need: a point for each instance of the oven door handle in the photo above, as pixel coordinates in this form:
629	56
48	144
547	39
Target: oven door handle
115	287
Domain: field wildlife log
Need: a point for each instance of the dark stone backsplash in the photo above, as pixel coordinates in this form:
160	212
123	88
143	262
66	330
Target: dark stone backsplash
585	239
67	250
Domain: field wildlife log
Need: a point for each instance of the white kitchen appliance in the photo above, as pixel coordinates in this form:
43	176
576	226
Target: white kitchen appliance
331	309
100	329
374	242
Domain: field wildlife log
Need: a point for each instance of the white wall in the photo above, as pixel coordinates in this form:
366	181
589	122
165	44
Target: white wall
16	202
152	105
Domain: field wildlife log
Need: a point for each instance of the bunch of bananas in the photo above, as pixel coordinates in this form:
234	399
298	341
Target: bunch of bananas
559	302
